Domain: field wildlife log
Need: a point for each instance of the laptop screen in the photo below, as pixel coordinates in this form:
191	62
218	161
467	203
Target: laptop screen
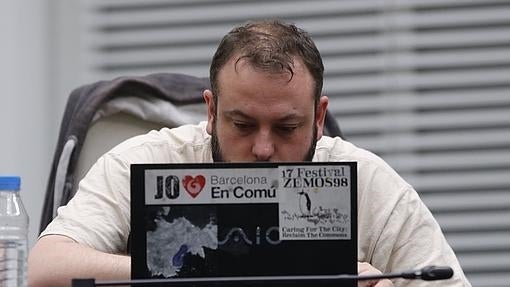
243	219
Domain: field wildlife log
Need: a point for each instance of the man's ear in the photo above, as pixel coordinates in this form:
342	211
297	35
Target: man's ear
320	115
211	110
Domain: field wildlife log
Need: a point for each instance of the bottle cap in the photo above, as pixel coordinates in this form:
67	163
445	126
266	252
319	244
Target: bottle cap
10	183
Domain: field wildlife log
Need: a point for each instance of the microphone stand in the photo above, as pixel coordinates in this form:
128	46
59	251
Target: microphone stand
427	273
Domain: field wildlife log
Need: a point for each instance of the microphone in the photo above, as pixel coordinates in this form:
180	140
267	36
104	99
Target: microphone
427	273
430	273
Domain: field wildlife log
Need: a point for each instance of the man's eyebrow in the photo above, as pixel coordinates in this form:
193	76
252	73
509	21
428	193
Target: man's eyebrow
292	116
238	113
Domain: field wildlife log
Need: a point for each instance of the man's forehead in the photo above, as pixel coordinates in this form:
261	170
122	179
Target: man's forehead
240	66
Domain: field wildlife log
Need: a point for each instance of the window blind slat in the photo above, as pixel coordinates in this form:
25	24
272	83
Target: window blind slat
192	15
402	101
454	141
483	159
461	180
495	240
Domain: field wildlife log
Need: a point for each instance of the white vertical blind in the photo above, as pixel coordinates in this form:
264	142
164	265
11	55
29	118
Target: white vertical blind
424	84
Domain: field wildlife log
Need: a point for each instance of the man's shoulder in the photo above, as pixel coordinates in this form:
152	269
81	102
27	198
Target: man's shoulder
184	143
336	149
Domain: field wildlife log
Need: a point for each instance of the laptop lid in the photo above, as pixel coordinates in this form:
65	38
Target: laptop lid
243	219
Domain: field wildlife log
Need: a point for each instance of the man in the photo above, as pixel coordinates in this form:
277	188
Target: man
265	105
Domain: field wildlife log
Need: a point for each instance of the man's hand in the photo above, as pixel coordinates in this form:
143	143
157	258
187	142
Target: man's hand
56	259
365	268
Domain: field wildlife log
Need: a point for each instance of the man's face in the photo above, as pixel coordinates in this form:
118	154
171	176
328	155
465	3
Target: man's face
264	116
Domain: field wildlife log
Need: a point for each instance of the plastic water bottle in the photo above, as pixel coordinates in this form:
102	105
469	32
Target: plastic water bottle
13	234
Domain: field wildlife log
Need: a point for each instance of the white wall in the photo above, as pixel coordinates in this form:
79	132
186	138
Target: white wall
67	71
40	65
26	105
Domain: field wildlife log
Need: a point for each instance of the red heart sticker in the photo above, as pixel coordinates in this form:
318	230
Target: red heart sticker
193	185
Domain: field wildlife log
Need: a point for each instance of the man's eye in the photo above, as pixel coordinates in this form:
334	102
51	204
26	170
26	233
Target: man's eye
242	126
287	129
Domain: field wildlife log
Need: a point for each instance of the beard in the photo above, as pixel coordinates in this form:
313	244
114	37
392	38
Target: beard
217	153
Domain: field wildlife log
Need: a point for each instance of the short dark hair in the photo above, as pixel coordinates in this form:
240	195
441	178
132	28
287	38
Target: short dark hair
269	45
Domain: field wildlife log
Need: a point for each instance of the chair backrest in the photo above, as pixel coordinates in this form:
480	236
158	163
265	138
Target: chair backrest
128	106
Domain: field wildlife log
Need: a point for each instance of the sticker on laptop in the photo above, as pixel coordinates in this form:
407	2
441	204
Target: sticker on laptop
314	202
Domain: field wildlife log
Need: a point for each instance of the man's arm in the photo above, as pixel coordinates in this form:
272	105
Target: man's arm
56	259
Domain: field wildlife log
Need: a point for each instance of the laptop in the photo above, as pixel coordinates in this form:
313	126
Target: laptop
244	220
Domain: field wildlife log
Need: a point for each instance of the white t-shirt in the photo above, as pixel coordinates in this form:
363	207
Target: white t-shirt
396	232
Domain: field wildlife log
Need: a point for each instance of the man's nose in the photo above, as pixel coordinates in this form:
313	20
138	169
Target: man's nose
263	146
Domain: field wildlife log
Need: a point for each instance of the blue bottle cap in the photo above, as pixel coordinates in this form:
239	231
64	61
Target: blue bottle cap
10	182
